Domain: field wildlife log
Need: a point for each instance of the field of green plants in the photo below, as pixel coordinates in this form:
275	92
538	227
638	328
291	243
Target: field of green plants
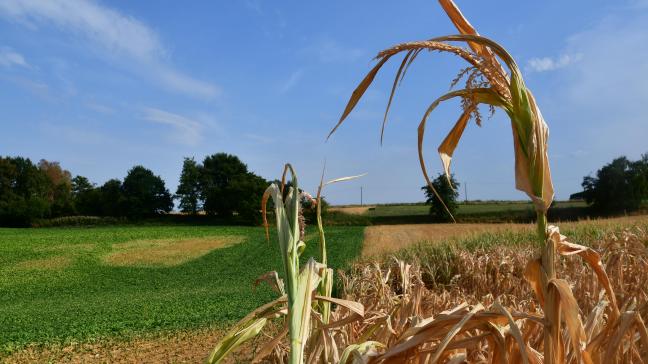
62	285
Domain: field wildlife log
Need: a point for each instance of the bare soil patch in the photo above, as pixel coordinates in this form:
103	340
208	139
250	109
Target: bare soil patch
165	252
49	263
180	347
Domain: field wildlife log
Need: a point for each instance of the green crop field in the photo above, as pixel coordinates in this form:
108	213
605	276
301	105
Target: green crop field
78	284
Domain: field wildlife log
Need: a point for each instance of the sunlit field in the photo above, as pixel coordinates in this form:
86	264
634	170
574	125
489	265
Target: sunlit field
63	285
157	166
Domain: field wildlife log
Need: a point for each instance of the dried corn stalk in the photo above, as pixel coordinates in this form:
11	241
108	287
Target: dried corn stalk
497	89
305	293
489	83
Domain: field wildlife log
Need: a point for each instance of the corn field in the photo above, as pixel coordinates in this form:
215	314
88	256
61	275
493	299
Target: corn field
566	303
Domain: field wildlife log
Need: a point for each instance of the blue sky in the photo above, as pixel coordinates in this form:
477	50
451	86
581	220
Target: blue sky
101	86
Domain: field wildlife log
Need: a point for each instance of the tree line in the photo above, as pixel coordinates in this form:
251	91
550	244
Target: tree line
619	186
220	186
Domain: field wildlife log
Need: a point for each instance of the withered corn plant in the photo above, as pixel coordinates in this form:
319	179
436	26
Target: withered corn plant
305	292
489	83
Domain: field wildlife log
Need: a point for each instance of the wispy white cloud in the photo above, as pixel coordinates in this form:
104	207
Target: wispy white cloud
253	5
331	51
9	58
259	138
120	36
598	108
40	89
292	81
549	64
78	134
100	108
186	130
638	4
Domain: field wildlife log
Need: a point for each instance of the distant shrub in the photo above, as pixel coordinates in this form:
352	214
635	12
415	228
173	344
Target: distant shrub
79	221
439	209
337	218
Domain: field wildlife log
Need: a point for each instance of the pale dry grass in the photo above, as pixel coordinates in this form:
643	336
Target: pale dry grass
607	222
165	252
383	239
50	263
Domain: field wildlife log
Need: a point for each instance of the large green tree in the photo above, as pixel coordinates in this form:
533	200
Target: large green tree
86	197
621	185
145	193
446	192
111	198
227	187
59	194
24	191
189	188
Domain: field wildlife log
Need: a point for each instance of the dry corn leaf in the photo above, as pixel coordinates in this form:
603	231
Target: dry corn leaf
628	323
453	332
270	346
449	144
530	132
571	315
361	353
515	331
591	257
393	90
533	275
352	306
273	280
358	92
464	27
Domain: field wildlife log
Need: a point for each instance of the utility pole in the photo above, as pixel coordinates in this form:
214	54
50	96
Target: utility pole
466	191
360	196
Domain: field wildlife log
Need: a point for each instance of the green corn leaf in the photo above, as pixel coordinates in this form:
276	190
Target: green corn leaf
234	340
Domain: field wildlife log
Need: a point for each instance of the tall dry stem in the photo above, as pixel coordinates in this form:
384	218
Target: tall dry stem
530	133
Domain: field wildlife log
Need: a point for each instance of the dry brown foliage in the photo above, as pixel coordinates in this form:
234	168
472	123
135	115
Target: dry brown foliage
388	315
489	312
